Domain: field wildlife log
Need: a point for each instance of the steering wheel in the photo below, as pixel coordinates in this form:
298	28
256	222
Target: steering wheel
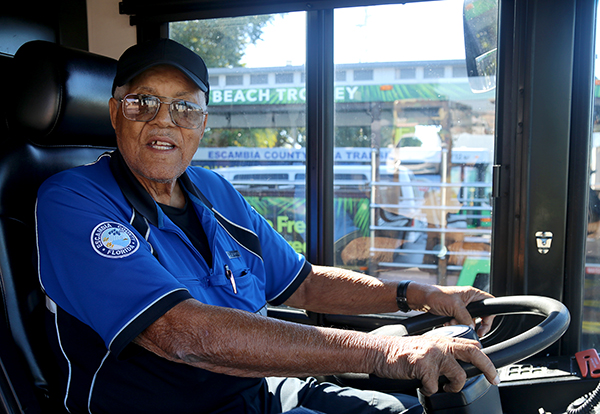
507	352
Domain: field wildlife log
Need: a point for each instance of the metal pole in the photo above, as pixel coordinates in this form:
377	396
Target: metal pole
375	162
442	256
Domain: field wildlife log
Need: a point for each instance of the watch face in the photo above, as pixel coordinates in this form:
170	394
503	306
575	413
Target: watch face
402	304
401	296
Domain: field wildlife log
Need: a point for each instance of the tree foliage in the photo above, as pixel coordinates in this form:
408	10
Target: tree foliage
253	137
361	136
352	137
220	42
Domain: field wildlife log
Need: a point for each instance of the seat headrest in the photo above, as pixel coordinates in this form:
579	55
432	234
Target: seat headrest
59	96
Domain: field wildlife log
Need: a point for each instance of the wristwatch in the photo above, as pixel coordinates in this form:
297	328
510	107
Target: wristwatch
401	296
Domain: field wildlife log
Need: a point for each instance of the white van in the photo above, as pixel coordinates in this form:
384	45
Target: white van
405	202
397	201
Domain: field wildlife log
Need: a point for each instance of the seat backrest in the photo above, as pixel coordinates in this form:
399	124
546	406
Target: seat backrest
57	118
5	65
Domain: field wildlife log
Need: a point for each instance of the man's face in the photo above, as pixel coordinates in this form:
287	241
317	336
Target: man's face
158	150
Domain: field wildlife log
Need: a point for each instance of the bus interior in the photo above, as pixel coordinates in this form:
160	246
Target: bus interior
453	142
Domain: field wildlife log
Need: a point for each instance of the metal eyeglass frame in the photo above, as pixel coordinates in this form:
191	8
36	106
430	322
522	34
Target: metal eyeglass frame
158	98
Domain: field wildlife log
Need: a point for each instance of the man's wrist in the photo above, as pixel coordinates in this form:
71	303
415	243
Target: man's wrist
401	299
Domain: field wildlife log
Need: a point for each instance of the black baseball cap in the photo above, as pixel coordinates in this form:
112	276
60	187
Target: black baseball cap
143	56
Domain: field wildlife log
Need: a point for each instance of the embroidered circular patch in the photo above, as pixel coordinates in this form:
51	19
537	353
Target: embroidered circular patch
113	240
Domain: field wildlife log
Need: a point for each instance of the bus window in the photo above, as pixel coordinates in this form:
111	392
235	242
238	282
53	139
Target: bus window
255	135
413	143
405	111
591	303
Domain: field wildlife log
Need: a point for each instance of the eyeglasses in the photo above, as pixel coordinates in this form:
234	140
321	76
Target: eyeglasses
143	108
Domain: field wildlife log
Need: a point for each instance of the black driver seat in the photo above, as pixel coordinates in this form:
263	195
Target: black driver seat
57	118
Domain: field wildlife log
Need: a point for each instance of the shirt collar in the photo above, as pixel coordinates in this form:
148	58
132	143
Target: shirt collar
137	195
133	191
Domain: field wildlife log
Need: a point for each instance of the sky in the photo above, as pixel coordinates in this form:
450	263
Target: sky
387	33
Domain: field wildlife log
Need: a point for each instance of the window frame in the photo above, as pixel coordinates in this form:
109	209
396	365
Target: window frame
541	161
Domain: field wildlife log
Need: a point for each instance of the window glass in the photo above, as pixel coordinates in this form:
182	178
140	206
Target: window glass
262	79
340	75
234	80
413	147
407	73
363	74
591	300
255	134
435	72
284	78
459	71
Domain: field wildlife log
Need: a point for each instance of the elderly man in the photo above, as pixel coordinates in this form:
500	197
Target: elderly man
158	275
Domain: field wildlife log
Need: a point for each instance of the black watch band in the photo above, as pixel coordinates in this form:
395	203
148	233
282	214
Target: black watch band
401	296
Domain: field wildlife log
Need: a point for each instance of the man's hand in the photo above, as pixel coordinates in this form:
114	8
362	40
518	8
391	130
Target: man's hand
429	357
449	301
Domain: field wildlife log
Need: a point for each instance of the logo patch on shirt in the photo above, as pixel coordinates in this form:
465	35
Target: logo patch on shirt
114	240
233	254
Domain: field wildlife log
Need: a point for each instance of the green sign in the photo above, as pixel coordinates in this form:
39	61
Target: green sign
345	94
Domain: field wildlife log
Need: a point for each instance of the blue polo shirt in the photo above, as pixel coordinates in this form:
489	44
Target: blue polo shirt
106	282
